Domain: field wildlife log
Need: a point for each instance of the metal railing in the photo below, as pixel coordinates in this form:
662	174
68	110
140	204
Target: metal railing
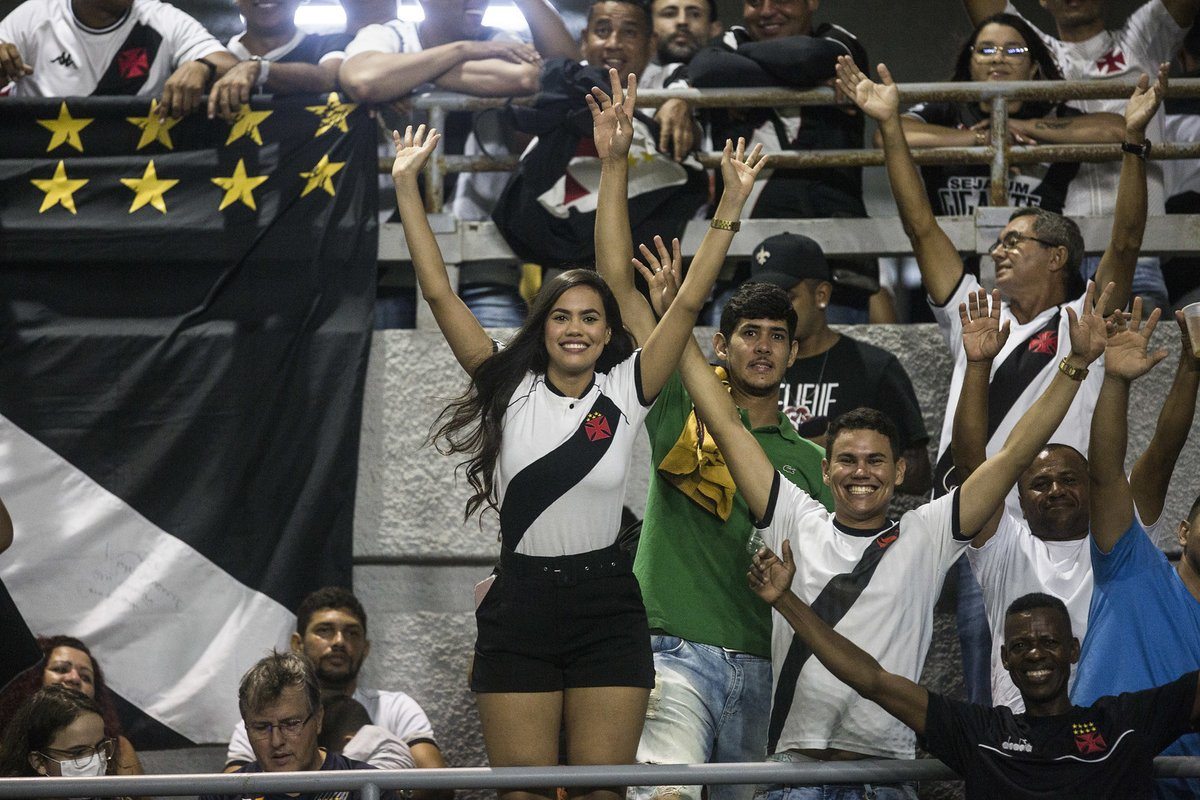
997	152
371	782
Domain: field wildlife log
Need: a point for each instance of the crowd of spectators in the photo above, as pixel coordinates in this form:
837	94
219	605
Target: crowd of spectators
797	444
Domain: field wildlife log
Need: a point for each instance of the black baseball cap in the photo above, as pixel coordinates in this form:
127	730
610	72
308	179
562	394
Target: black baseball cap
788	258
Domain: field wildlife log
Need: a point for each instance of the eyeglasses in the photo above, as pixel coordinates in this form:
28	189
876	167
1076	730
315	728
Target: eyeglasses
1009	51
1012	240
83	759
288	728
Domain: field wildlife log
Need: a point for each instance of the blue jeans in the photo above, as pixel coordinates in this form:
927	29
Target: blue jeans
395	307
841	791
708	705
494	305
1148	282
974	634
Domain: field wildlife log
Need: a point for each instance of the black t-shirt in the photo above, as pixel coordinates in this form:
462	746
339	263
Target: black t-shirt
958	189
1105	750
333	761
848	375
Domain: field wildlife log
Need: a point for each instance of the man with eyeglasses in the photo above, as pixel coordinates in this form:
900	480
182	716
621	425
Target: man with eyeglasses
280	702
1085	49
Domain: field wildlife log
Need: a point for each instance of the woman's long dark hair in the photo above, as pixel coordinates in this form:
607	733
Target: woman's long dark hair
35	724
472	423
1038	52
29	682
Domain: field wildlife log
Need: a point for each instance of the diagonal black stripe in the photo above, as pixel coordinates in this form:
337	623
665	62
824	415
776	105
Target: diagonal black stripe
837	598
533	489
1011	378
141	37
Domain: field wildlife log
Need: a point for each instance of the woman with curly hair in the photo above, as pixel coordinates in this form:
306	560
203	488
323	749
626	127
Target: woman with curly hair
68	661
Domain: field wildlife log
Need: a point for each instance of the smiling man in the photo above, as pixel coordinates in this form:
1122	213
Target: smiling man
873	578
331	632
280	703
1053	749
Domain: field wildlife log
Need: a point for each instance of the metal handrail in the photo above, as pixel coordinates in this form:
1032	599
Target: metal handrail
371	782
997	152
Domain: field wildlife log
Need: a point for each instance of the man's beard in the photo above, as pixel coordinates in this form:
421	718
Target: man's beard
669	53
338	680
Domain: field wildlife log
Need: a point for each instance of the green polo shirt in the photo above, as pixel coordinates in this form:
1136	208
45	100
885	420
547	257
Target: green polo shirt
691	565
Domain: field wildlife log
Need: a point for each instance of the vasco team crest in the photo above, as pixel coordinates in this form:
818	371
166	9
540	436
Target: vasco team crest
596	427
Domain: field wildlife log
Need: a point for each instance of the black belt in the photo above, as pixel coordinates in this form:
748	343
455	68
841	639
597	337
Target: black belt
567	570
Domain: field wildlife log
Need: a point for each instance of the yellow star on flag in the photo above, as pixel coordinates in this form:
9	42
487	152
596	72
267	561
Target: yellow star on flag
322	175
59	189
149	189
239	186
333	114
65	129
246	124
154	130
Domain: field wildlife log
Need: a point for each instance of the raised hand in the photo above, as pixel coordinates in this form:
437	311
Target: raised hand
1187	349
612	117
878	100
770	577
1144	103
412	152
739	169
1127	353
1088	330
983	336
663	273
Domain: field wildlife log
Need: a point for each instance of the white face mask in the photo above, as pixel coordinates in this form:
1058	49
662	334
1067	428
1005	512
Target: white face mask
96	766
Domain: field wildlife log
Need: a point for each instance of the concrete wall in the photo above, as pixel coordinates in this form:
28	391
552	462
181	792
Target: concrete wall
416	560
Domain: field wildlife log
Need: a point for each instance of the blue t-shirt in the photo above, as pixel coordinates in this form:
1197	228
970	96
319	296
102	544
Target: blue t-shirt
1143	631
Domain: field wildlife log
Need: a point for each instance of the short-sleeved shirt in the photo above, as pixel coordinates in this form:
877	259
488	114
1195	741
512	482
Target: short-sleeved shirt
1105	750
138	53
394	711
570	459
1014	563
690	563
848	375
1149	37
1036	348
303	48
891	619
333	761
958	189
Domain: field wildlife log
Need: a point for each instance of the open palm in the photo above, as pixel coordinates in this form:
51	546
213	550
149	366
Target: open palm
612	116
982	334
1145	100
1127	355
740	169
877	100
412	151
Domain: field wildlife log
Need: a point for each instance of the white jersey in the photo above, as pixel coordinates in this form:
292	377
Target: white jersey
380	748
1036	341
1182	174
69	59
564	461
1149	37
1014	563
892	618
396	36
394	711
